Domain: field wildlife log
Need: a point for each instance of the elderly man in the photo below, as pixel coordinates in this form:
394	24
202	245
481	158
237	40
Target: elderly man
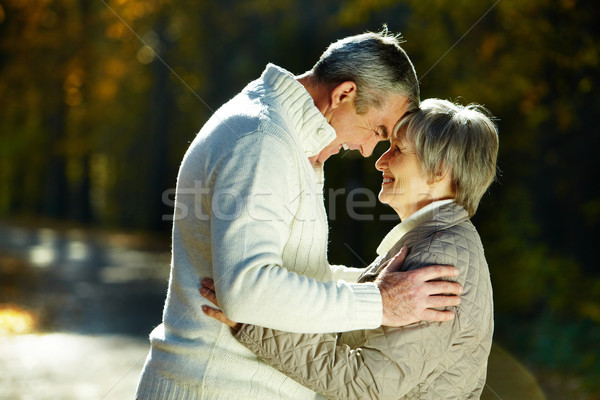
250	215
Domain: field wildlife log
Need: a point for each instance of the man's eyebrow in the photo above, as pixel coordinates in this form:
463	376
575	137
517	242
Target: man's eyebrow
383	132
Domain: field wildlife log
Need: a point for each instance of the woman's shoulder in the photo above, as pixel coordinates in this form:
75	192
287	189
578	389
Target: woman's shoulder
459	246
454	241
463	235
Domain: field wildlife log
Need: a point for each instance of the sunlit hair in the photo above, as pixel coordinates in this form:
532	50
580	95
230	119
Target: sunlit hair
376	63
455	139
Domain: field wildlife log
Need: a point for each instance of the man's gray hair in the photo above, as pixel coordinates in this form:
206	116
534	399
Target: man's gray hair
455	139
376	63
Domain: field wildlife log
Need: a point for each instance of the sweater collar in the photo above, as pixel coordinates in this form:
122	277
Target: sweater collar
312	129
414	220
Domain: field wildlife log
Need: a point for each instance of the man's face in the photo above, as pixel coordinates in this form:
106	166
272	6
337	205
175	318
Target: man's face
363	131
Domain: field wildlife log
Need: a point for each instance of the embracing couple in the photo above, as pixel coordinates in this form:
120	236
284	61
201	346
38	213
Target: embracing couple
417	323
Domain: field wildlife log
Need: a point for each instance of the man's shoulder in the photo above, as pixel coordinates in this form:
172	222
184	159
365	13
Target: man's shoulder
245	114
235	118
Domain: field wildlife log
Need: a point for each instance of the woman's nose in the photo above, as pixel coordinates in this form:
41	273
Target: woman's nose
382	161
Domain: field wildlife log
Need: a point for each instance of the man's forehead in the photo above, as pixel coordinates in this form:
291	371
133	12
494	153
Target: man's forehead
399	103
394	111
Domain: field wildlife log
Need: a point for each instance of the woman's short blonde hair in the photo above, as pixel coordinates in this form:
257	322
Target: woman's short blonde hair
455	139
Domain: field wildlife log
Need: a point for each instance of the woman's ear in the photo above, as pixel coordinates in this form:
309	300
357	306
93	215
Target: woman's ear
442	182
441	174
344	93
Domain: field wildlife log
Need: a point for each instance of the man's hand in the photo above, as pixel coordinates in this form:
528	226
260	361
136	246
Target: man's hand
409	296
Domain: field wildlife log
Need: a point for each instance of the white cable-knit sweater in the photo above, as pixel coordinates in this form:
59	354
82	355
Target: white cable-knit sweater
250	214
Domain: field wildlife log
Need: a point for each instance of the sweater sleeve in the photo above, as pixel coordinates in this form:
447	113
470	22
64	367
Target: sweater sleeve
250	220
348	274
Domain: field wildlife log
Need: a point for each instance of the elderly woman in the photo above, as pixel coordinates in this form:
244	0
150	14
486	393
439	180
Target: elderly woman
441	161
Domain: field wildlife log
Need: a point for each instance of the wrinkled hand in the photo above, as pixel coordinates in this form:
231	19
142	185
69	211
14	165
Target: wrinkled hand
410	296
208	291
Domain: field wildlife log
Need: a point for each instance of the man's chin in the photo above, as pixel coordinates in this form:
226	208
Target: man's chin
324	155
327	155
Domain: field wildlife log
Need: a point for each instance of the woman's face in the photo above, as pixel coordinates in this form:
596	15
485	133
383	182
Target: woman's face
405	184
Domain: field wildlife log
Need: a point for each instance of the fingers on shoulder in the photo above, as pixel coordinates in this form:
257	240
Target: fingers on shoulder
433	272
437	316
439	301
445	288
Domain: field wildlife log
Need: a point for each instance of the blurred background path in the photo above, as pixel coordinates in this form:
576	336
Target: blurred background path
75	311
69	366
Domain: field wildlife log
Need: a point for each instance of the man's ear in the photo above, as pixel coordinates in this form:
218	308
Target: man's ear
345	92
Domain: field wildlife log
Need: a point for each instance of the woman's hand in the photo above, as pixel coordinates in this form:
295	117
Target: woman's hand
208	291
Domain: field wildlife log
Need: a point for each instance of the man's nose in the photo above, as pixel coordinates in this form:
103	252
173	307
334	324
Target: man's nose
366	149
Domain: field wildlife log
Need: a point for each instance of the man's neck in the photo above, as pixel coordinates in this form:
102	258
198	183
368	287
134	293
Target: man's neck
320	95
318	92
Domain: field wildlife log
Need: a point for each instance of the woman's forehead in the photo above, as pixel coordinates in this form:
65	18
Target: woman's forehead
399	137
